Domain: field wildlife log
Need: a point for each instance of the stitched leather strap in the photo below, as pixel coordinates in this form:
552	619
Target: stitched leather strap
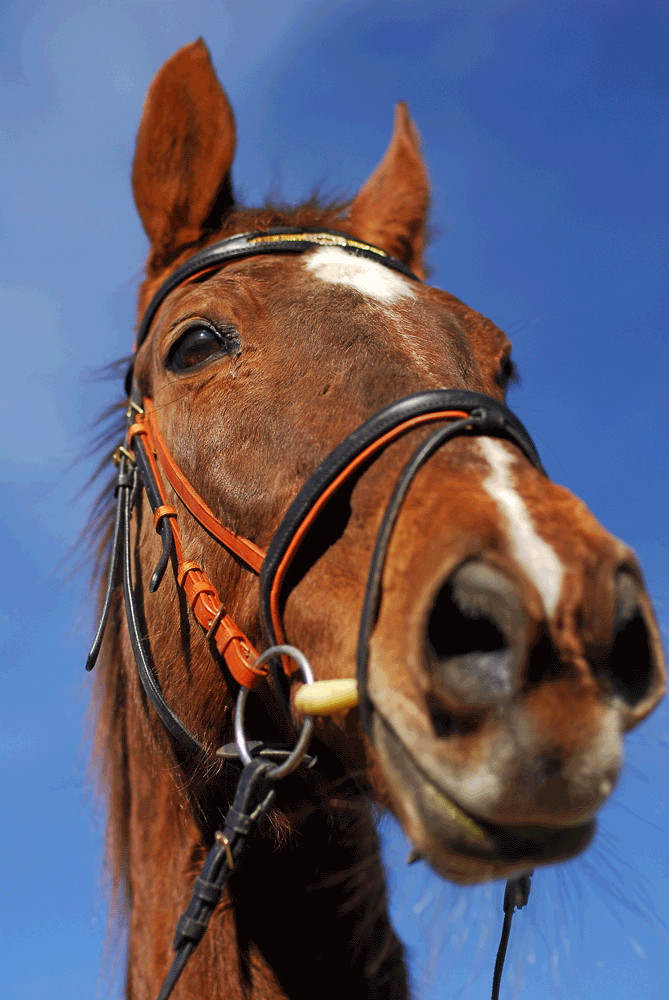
201	595
359	459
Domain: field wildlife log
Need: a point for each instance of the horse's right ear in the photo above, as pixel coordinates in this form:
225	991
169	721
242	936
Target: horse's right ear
185	147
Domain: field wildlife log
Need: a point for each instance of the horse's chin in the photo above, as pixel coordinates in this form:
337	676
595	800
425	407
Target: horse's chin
459	846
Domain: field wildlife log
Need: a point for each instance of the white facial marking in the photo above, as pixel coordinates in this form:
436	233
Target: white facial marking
373	280
530	551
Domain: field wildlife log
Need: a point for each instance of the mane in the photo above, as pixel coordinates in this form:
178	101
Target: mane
315	211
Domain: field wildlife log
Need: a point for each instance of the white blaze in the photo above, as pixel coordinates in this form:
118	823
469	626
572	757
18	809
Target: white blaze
534	554
374	280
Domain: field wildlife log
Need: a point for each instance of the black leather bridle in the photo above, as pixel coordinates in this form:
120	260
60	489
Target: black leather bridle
457	412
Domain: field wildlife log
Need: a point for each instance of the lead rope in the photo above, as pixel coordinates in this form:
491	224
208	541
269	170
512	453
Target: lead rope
516	894
253	796
252	800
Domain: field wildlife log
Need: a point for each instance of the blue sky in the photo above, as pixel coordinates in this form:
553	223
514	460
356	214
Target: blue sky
544	128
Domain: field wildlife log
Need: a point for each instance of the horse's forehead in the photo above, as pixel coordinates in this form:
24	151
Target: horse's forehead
371	278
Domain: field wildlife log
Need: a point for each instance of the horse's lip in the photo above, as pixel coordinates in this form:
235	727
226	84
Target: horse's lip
517	847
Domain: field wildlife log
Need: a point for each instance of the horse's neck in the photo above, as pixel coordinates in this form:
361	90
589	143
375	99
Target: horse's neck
305	918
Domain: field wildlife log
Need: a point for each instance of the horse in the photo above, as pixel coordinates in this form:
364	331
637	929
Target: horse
318	464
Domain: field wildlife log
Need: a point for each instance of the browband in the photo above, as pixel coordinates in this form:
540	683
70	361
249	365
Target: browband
279	240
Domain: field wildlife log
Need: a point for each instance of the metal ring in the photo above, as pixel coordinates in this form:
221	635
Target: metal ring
295	758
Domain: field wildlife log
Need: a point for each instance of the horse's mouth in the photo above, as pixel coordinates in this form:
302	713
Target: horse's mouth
459	845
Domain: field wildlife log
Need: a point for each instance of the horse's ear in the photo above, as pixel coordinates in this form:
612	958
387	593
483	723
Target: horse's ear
391	207
185	147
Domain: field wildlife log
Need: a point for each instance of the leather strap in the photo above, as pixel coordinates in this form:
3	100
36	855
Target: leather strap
353	465
246	550
484	419
112	573
149	681
279	240
252	799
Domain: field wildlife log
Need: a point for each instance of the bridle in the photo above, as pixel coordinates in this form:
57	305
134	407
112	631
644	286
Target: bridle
144	461
144	455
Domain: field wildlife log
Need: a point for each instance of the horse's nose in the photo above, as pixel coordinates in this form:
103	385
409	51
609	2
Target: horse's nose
632	667
476	638
478	652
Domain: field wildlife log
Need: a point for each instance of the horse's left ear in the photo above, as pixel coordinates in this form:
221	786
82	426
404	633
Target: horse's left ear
391	207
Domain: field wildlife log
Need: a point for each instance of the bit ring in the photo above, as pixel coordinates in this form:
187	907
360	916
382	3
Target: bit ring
297	755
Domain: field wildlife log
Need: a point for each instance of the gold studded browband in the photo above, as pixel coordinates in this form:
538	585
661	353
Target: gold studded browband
252	244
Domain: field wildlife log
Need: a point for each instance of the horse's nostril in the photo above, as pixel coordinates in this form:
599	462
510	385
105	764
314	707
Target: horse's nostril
630	665
475	638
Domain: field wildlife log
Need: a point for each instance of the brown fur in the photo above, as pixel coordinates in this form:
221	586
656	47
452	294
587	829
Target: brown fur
307	911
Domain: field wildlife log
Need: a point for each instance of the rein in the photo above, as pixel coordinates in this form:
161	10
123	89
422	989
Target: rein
144	459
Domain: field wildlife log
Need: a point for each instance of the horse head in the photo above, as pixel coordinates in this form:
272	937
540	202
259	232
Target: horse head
511	644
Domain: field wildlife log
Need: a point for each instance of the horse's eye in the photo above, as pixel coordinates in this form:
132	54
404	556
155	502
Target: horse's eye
507	374
199	344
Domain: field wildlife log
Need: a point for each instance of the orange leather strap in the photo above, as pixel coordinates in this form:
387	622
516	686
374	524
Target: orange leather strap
201	595
166	510
235	648
241	547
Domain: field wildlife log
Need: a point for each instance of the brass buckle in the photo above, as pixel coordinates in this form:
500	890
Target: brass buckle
215	622
122	452
133	408
222	839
